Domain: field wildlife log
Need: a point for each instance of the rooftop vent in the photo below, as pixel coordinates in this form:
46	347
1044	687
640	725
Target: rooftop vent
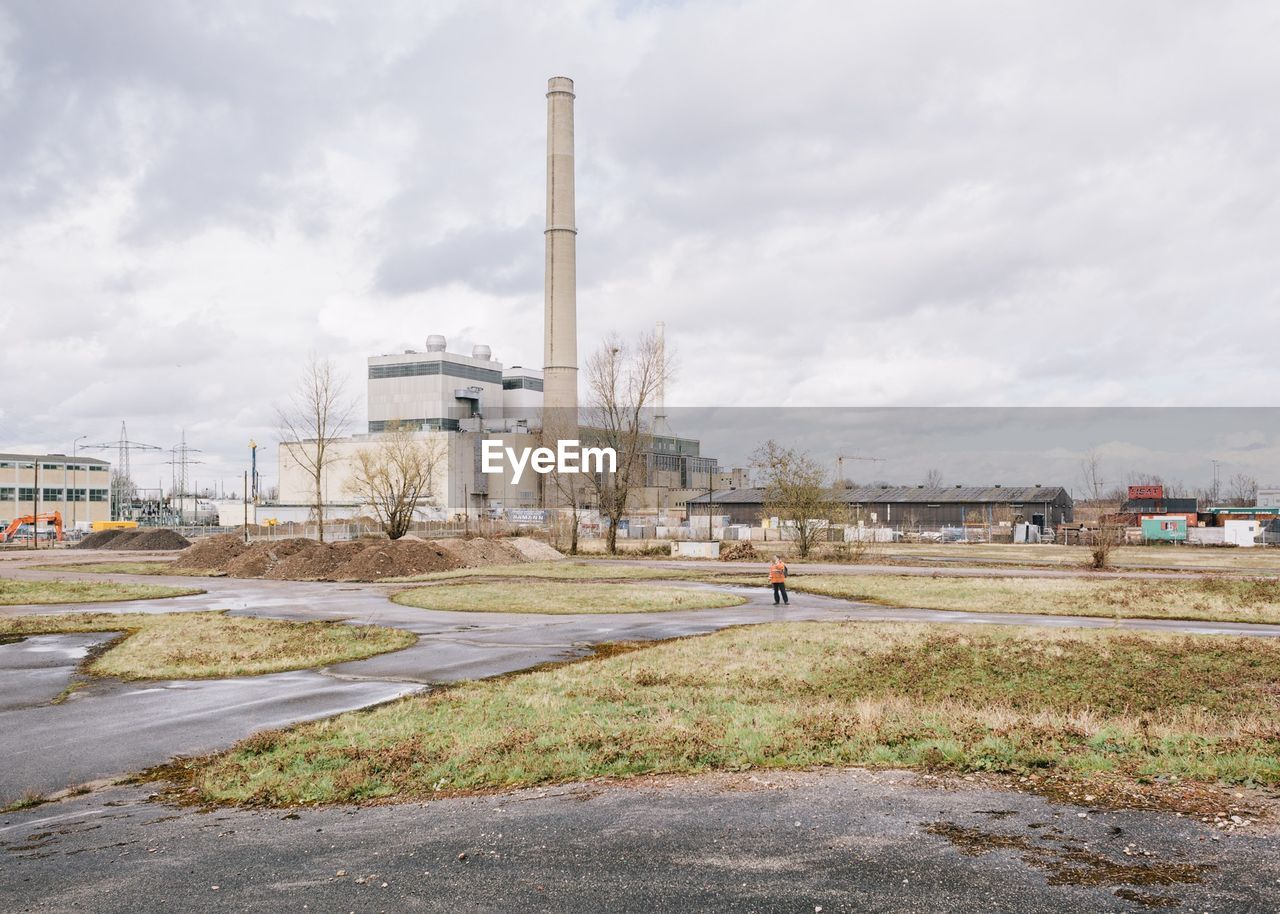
435	343
482	352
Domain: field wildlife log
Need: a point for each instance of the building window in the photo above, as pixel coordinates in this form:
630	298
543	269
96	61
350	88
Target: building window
448	369
6	465
97	468
51	495
51	466
8	493
26	494
377	426
97	495
77	494
521	384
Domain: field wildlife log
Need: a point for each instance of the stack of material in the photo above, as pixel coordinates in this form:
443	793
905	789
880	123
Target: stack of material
139	538
362	560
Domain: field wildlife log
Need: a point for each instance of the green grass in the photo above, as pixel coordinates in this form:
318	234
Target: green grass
1216	598
123	568
201	645
22	593
964	699
563	597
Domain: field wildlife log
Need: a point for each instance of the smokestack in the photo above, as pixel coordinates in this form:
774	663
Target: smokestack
560	338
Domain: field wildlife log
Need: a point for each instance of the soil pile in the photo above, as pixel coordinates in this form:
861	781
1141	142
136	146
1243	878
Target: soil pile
360	560
478	552
98	539
535	550
741	551
212	553
154	539
125	537
258	560
320	562
400	559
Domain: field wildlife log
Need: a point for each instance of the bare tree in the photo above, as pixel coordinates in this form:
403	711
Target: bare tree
1242	490
396	476
622	383
795	491
316	414
933	479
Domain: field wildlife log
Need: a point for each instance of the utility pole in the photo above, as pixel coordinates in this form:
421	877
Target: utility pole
246	506
123	476
35	504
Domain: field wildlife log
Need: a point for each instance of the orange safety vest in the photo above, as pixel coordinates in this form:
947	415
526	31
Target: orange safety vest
777	572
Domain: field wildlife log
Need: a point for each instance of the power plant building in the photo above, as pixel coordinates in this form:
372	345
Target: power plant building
454	403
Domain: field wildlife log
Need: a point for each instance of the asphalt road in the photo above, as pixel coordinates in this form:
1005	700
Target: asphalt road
843	841
809	842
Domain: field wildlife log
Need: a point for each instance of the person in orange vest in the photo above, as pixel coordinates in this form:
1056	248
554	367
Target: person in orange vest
778	578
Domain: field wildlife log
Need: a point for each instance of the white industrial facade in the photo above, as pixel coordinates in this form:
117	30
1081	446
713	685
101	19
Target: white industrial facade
453	402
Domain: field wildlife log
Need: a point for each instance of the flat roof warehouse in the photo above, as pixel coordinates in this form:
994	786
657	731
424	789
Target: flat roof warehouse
928	505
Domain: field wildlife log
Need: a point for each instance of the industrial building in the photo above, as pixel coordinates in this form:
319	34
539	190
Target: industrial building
455	402
78	488
912	506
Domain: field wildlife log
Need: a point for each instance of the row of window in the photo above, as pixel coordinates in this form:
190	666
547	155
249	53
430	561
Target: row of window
522	384
439	425
28	493
72	467
448	369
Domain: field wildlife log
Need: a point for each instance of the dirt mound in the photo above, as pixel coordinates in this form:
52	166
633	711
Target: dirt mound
98	539
258	560
154	539
320	562
212	553
398	559
477	552
534	550
124	538
739	552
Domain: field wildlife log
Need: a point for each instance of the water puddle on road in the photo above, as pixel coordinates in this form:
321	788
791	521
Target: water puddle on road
1068	863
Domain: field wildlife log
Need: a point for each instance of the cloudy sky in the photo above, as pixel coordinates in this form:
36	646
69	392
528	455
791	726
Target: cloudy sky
833	204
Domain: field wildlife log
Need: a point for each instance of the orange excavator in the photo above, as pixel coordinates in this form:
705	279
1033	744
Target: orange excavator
54	517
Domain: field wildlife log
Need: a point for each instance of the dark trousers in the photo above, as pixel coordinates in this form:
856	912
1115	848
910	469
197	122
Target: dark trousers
780	590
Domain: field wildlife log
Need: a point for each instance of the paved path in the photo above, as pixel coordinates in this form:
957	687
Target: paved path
836	841
111	728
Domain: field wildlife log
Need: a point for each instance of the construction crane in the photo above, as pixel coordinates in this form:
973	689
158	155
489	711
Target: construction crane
54	517
122	478
841	458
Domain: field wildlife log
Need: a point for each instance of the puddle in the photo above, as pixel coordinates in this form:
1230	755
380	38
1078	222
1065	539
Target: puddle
1074	865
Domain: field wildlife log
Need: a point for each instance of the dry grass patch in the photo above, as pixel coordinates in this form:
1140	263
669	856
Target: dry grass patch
558	597
1219	599
204	645
965	699
42	593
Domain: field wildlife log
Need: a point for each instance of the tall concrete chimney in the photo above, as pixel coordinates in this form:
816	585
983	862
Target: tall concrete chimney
560	337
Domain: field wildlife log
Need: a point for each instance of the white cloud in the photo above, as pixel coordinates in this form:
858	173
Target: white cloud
918	203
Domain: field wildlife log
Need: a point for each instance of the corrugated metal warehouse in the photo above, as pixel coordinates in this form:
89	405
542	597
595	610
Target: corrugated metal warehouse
917	506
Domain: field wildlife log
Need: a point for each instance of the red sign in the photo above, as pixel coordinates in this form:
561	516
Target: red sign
1137	492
